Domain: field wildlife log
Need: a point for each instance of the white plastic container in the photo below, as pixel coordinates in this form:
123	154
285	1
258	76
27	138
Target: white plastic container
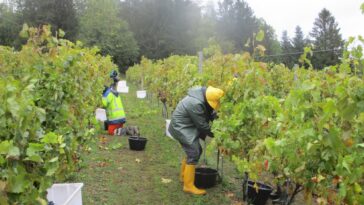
122	83
100	114
168	121
141	94
122	89
65	194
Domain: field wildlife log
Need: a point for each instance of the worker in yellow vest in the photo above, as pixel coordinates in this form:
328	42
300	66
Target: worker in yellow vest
111	100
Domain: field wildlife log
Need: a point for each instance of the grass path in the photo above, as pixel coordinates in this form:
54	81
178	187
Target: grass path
121	176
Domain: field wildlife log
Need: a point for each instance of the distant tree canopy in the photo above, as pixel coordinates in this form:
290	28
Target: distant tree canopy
129	29
101	26
293	48
326	43
60	14
236	24
163	27
9	26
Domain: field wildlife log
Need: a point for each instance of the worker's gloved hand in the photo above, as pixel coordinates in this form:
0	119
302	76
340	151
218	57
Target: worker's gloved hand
202	136
214	116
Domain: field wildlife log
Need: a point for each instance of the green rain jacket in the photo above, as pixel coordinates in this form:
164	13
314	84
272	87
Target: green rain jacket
191	117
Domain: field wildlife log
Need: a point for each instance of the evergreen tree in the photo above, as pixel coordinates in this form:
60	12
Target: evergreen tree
298	41
298	44
327	40
287	50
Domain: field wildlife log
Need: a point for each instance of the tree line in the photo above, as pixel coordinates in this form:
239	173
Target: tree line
156	29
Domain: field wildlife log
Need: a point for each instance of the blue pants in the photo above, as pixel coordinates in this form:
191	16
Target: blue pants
193	151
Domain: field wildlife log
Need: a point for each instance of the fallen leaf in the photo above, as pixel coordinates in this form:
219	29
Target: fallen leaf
101	164
321	200
103	139
115	146
166	181
2	185
230	194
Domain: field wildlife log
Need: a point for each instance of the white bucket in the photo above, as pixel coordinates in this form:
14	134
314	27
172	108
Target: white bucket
168	121
141	94
122	89
65	194
122	83
100	114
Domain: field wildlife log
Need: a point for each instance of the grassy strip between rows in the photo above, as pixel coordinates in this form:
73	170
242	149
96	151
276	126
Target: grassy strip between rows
113	174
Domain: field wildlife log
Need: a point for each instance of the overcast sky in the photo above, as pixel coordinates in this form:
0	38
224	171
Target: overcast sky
287	14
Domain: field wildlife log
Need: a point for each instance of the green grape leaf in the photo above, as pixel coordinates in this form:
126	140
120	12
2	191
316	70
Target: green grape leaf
342	190
34	158
2	160
14	152
16	183
13	107
50	138
260	36
51	169
4	147
115	146
349	112
34	148
329	106
41	114
54	159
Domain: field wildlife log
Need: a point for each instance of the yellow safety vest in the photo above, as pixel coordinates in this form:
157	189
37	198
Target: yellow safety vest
114	107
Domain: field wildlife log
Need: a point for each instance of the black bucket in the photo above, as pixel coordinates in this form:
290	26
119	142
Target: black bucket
106	125
205	177
257	198
137	143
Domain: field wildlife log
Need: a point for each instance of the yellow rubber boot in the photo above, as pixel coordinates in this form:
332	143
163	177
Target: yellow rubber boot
183	167
189	181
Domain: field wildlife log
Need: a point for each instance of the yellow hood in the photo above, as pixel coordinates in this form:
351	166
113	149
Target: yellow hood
213	96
